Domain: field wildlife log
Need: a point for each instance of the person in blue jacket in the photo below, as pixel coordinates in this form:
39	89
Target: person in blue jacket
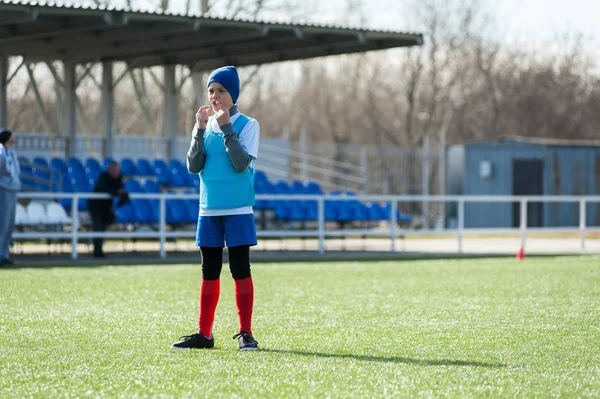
10	184
222	151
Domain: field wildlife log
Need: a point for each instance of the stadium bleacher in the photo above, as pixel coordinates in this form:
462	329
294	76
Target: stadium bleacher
156	176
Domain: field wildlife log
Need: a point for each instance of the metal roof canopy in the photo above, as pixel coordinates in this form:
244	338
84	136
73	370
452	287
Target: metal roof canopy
79	34
50	32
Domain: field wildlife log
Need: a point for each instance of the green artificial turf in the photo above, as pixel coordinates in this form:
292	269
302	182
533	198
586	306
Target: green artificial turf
453	328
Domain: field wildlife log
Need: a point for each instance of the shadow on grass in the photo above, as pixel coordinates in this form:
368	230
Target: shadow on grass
390	359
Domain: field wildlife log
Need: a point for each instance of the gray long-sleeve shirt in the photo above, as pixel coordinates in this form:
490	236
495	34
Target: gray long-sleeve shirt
240	159
9	170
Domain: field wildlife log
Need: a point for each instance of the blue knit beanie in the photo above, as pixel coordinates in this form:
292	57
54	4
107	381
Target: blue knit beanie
228	77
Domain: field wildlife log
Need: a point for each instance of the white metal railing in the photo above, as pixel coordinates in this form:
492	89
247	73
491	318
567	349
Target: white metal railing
321	232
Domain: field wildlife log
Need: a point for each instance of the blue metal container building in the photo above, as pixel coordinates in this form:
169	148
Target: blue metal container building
524	167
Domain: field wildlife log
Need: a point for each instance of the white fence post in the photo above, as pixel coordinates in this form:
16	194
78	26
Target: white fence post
393	208
425	180
442	182
321	224
75	226
523	222
163	225
461	224
582	222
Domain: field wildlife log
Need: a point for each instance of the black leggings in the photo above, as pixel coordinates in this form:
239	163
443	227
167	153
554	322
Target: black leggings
212	262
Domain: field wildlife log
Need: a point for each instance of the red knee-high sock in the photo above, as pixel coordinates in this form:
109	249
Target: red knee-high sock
244	300
209	297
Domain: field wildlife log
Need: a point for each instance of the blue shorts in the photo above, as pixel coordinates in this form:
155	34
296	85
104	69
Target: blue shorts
236	230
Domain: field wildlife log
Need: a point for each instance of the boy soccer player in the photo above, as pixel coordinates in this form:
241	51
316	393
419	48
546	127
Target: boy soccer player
222	151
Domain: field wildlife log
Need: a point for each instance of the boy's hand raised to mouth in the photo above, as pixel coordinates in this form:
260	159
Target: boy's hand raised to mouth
222	113
202	117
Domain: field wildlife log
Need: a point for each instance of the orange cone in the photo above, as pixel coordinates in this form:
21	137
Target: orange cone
521	254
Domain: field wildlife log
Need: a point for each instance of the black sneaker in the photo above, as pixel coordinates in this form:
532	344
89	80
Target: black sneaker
197	341
246	341
7	261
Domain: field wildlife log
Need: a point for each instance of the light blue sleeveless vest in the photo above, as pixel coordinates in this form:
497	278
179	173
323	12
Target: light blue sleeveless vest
221	186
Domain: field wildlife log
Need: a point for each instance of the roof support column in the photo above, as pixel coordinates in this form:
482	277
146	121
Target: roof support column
108	107
170	109
70	116
3	89
199	90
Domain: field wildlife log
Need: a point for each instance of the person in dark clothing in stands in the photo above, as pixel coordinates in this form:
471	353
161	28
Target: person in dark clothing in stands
101	210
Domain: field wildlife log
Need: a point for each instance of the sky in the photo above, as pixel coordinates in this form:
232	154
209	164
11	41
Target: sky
537	23
544	18
532	21
529	22
535	19
540	24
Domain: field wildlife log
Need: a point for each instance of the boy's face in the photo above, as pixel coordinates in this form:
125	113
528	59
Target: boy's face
216	92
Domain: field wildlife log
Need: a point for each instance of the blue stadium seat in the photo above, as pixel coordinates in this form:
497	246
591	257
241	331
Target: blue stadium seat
176	163
351	210
269	188
260	176
107	161
155	208
297	211
91	183
177	211
281	187
163	177
361	212
41	161
375	211
125	214
63	185
26	175
282	210
180	177
162	172
312	210
143	211
297	187
195	181
313	187
282	207
75	169
177	178
133	186
92	168
150	186
260	188
399	216
345	212
23	160
144	168
158	165
128	168
193	209
333	207
82	185
57	179
59	165
41	172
